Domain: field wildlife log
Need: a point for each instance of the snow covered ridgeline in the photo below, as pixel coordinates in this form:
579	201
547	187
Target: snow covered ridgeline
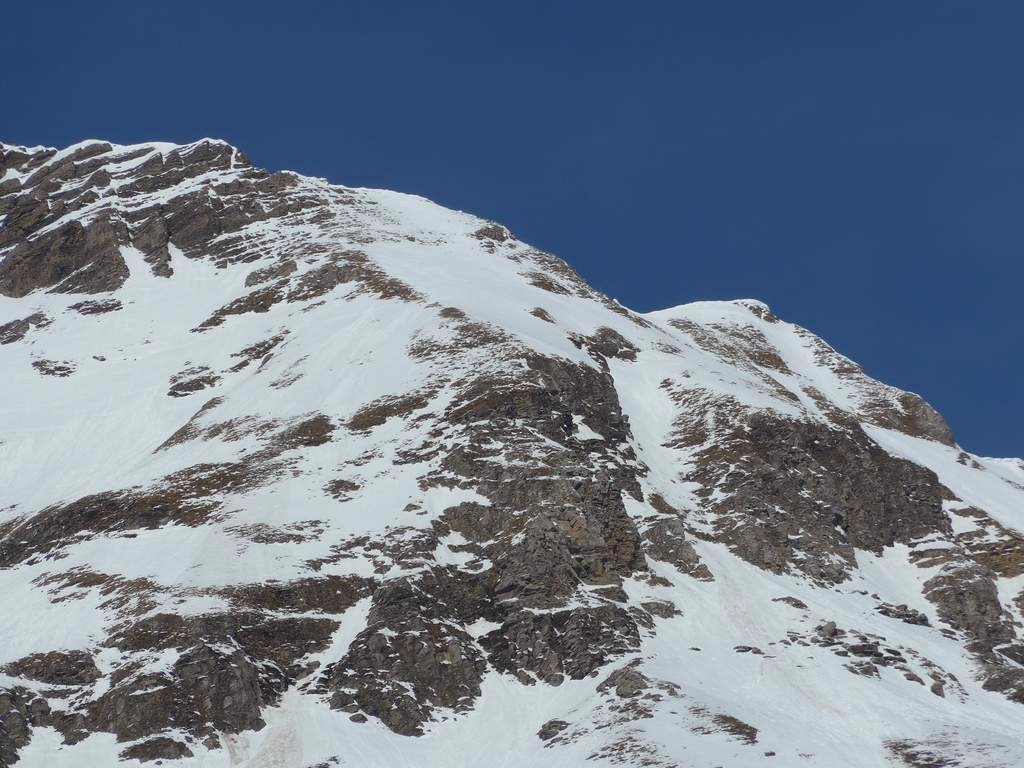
348	478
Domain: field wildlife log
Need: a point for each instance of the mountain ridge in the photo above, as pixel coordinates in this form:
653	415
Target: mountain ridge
296	473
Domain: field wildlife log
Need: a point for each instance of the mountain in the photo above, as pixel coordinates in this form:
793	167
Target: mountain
295	474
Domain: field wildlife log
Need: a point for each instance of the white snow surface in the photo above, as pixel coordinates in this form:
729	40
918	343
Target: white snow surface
102	428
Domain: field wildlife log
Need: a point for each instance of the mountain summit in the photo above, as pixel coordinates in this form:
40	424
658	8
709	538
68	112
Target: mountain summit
295	474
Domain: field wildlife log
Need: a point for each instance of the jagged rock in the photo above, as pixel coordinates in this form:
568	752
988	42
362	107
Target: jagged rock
207	690
159	748
327	594
551	728
572	643
56	668
15	330
828	629
626	682
58	368
805	496
436	471
16	721
271	273
75	258
607	342
666	541
791	601
661	608
96	307
406	649
903	613
967	599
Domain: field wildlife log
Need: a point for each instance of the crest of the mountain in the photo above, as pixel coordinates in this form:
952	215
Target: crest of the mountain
294	474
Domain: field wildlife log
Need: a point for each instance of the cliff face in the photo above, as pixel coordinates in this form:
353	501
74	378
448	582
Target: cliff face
297	474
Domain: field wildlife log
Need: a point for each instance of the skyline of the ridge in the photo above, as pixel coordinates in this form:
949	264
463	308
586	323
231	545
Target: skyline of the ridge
858	169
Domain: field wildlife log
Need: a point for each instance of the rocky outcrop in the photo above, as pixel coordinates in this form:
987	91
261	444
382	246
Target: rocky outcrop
15	330
413	657
552	646
207	690
75	258
428	466
805	496
158	748
667	541
558	522
967	599
56	668
19	712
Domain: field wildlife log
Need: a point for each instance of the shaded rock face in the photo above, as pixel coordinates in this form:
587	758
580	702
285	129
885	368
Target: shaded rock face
667	540
565	520
15	330
409	659
223	669
79	256
56	668
348	475
918	418
573	643
17	717
159	748
83	255
549	527
806	496
210	691
74	259
967	599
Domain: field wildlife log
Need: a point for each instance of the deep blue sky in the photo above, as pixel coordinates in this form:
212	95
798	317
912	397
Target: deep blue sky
858	166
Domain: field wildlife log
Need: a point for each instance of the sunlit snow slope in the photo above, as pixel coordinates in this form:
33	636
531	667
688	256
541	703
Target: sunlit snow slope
294	474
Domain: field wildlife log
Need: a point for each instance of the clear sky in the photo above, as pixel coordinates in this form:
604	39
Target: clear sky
859	166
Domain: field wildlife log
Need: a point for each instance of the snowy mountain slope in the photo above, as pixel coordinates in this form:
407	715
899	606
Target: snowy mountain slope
294	474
